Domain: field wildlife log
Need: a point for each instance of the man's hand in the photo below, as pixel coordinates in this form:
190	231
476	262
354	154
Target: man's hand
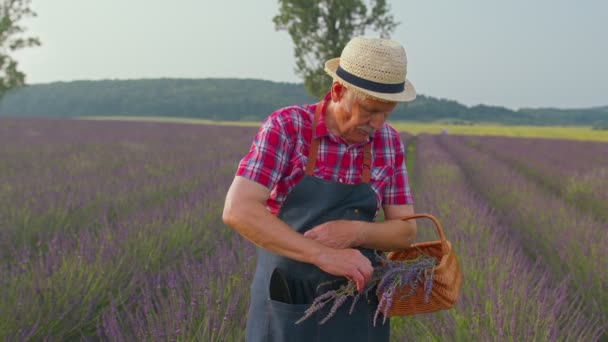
349	263
389	235
336	234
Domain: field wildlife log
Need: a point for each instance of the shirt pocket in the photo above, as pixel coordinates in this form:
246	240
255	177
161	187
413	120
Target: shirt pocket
380	177
298	159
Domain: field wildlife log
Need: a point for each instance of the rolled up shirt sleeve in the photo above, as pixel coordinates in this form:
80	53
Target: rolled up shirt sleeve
397	191
268	156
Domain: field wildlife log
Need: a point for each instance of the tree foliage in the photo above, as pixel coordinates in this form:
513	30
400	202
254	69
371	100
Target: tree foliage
11	40
320	29
248	100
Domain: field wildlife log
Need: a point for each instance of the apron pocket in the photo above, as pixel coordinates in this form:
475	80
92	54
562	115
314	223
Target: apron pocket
341	327
279	288
283	325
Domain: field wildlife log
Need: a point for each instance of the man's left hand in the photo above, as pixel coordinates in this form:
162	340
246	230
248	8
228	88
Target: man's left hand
336	234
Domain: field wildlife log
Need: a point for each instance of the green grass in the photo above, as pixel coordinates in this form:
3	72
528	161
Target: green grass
574	132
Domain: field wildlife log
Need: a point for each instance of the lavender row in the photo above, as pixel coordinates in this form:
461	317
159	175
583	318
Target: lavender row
576	170
570	242
72	171
571	156
202	300
78	282
118	296
500	283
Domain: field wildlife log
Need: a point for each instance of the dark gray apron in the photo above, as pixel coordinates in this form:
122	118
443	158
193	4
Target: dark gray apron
311	202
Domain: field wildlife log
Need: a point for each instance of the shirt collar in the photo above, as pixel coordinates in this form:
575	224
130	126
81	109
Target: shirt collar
321	129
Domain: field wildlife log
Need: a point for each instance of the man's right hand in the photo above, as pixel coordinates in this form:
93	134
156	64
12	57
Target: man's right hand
349	263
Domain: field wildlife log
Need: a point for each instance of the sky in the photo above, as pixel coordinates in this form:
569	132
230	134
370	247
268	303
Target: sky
516	53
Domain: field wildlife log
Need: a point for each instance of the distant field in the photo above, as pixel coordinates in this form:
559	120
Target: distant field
575	133
176	120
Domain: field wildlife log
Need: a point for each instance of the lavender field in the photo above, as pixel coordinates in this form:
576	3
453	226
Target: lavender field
112	231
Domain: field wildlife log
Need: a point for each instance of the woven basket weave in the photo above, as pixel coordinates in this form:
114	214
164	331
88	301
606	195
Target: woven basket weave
446	277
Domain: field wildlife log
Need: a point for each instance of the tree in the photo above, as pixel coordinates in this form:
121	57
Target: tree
11	40
321	28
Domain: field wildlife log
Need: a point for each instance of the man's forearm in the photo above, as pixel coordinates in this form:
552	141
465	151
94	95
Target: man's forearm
386	236
265	230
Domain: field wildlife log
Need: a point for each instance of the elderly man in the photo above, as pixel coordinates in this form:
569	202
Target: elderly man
309	190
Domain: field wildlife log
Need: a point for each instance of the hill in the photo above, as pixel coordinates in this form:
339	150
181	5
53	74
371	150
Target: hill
247	99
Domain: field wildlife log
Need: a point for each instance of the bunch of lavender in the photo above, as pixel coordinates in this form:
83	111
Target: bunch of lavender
402	274
389	276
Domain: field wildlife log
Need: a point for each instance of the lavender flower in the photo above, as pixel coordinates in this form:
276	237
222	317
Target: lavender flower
355	300
337	303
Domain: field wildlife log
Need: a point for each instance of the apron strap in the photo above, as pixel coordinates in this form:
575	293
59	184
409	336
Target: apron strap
314	148
314	145
367	162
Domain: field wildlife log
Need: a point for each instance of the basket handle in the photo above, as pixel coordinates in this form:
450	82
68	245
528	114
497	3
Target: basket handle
444	244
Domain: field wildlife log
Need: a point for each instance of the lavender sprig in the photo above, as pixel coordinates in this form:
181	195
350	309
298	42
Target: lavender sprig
337	303
355	300
318	304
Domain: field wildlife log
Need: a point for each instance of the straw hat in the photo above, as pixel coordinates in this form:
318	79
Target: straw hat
374	66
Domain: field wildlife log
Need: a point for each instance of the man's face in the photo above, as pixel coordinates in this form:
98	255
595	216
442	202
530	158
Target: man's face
359	119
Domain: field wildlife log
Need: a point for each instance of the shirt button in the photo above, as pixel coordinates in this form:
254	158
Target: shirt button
341	180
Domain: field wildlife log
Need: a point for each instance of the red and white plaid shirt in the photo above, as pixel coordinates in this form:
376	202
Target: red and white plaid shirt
278	155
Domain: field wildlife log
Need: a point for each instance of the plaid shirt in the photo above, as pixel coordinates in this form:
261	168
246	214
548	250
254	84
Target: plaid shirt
278	155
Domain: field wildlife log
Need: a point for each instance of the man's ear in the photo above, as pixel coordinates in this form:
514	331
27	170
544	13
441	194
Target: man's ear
337	91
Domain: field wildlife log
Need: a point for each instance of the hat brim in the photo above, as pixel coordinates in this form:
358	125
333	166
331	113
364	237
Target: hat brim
408	94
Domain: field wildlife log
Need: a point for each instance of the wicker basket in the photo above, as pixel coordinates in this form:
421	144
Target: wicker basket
446	277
